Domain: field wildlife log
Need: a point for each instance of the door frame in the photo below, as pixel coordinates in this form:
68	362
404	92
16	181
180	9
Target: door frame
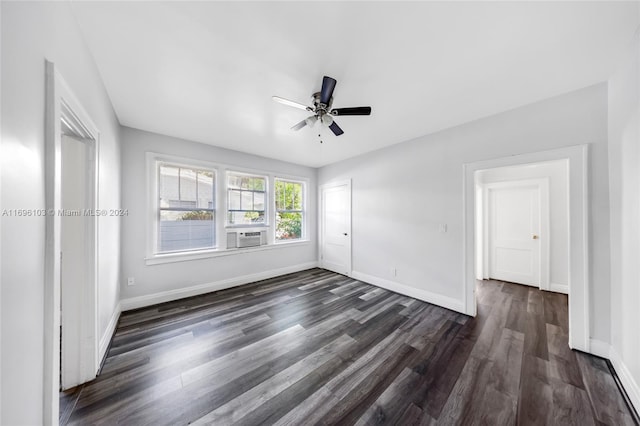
322	188
578	158
61	104
544	246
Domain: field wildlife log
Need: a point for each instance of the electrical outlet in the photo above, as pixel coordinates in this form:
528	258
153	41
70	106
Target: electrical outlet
394	271
131	281
443	227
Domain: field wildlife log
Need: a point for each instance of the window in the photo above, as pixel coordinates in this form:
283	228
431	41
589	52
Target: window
186	208
196	207
289	209
246	196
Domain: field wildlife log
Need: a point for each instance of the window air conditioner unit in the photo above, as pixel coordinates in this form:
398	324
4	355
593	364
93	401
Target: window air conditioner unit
244	239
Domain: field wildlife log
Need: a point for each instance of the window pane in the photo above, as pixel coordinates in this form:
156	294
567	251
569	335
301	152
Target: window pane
288	204
187	188
280	195
257	184
234	181
246	218
258	200
246	182
288	226
234	200
296	196
186	230
186	208
169	193
247	200
205	190
253	183
288	195
246	194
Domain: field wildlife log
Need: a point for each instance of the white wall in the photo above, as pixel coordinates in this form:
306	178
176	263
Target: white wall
32	32
402	194
175	279
624	166
557	173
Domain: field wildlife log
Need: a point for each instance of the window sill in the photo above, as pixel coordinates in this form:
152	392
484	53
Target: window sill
230	228
206	254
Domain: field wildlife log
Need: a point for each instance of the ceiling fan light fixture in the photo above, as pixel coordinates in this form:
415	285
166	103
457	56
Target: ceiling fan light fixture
311	120
327	120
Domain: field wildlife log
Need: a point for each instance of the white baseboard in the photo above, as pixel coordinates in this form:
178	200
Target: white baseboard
108	334
424	295
559	288
169	295
605	350
628	382
599	348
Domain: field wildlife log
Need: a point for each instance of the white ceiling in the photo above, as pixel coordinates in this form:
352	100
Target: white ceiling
206	71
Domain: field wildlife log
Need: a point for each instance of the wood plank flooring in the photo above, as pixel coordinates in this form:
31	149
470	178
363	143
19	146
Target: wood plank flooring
320	348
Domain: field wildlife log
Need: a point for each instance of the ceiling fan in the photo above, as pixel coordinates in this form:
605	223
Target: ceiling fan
321	108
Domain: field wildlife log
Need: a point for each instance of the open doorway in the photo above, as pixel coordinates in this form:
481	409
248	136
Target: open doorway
576	158
71	255
522	232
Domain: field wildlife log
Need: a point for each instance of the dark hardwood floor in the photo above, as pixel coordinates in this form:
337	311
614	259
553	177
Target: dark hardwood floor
320	348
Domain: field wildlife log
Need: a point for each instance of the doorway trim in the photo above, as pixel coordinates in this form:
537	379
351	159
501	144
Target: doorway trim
61	104
578	158
322	187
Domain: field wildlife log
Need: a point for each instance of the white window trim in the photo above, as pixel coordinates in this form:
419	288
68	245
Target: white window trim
221	209
305	189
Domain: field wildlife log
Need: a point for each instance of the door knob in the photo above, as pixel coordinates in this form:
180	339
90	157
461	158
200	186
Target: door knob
345	234
535	237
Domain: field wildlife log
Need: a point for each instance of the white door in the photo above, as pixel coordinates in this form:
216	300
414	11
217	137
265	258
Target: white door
335	232
518	241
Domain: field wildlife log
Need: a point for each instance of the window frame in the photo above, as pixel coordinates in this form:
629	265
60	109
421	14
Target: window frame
303	228
154	161
151	213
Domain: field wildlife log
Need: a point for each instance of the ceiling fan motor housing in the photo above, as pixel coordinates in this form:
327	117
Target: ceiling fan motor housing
319	105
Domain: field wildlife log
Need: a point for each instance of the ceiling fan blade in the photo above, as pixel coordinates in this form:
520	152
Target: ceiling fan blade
352	111
336	129
291	103
328	84
300	125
